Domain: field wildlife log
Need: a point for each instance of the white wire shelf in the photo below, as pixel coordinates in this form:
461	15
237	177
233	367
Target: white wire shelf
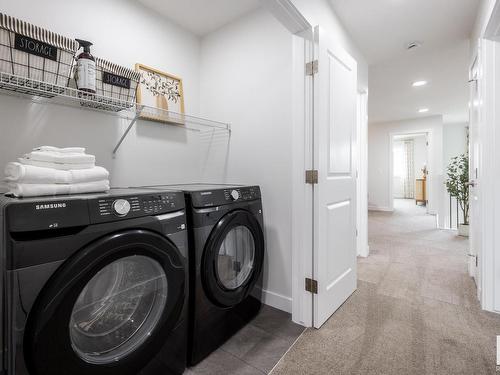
42	92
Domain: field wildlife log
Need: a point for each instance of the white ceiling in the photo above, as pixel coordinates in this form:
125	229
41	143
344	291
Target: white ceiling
392	97
201	16
382	28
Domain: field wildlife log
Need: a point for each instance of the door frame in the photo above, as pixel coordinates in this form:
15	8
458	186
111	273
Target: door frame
301	301
302	193
474	271
302	261
363	248
489	182
430	136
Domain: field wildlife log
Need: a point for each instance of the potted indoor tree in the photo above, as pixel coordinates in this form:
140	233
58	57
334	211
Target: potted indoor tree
458	187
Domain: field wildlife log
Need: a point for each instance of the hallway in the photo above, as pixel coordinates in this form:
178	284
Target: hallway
415	310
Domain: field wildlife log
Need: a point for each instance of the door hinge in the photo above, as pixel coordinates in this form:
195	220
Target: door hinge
311	286
312	68
312	176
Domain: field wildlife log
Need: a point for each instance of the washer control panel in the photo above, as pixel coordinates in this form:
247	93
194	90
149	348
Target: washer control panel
113	208
234	195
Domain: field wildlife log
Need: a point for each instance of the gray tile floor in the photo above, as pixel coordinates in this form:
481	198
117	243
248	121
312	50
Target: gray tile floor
255	349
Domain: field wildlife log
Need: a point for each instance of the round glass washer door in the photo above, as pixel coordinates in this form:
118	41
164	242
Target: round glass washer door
235	260
118	309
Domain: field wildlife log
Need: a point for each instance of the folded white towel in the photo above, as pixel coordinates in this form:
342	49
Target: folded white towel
35	190
60	157
71	150
30	174
60	166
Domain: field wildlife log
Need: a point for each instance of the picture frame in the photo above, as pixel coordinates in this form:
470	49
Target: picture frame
160	90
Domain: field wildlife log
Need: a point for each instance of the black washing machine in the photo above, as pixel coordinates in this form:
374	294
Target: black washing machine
227	250
94	284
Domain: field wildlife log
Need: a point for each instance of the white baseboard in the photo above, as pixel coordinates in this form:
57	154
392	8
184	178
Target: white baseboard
277	301
380	208
364	252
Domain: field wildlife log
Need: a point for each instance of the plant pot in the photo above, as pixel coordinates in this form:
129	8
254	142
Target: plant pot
463	230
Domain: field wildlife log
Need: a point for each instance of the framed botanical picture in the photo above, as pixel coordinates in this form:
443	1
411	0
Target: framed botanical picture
160	90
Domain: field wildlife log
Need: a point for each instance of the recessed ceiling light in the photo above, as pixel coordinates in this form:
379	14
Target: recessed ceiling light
423	110
419	83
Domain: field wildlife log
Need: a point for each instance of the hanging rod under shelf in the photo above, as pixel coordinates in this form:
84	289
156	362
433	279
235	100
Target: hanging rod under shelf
46	93
172	118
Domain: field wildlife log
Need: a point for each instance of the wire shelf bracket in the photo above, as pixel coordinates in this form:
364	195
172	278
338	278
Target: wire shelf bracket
132	123
46	93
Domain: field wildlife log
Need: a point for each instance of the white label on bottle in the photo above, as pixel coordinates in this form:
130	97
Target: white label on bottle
85	74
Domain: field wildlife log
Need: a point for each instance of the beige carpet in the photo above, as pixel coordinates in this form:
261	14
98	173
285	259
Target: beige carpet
415	310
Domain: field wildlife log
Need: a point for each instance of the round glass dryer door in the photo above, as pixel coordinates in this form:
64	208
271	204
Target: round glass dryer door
118	309
235	260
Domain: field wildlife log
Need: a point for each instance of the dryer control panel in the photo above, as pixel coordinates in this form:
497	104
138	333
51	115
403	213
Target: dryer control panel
113	208
225	196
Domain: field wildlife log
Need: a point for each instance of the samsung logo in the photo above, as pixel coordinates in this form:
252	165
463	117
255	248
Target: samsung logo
206	193
50	206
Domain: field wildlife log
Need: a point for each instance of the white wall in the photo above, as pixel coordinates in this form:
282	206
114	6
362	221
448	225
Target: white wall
379	178
454	141
246	79
420	155
126	33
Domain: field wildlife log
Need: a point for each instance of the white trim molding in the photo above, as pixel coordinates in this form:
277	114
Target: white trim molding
380	208
277	300
287	14
300	305
302	193
362	174
364	252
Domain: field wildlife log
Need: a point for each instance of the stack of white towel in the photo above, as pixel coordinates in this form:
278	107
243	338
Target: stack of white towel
50	170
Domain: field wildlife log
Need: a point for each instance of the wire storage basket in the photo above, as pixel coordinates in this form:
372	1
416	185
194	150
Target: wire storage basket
115	81
35	53
116	87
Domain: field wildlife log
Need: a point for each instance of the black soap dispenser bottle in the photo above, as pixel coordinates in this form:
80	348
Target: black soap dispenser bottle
85	74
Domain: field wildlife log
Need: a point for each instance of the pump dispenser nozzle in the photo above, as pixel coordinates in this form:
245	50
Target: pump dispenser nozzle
85	74
84	44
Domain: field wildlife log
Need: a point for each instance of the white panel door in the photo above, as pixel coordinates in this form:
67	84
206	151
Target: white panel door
474	173
335	91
